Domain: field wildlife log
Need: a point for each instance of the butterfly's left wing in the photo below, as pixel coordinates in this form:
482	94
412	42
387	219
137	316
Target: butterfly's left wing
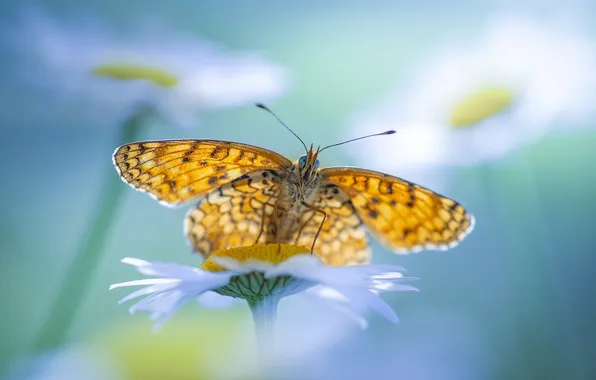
175	171
404	216
237	214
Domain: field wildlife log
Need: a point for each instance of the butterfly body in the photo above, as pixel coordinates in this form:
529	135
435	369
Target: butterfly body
300	186
247	194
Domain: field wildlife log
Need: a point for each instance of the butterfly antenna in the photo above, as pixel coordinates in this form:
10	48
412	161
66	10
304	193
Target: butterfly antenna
390	132
282	123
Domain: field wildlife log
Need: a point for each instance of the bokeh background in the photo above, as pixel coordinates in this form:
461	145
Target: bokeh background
513	301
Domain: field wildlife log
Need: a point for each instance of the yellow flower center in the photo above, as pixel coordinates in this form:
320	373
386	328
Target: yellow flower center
271	253
253	286
481	105
136	72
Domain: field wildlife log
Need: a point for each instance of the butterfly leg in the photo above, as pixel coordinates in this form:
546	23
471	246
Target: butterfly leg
303	226
315	209
262	223
279	212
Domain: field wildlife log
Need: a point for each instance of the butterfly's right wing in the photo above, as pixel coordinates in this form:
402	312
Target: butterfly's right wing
342	239
237	214
404	216
175	171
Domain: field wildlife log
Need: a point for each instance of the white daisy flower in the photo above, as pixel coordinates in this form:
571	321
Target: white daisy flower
261	275
179	74
475	103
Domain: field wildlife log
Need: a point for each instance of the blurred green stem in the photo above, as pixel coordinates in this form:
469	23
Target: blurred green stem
264	312
80	272
553	297
526	252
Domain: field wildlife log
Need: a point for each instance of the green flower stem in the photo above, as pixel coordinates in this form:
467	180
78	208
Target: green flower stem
264	312
80	273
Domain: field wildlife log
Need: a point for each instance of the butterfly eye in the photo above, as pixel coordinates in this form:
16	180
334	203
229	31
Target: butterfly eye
302	161
317	164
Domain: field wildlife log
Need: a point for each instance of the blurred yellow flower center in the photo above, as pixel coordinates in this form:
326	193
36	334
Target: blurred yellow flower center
136	72
481	105
271	253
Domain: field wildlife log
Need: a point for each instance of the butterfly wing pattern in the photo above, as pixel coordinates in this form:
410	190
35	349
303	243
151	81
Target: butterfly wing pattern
342	239
404	216
237	214
175	171
241	213
239	186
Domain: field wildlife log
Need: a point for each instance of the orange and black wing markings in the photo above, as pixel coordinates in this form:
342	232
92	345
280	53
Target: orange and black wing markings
175	171
237	214
242	213
342	239
404	216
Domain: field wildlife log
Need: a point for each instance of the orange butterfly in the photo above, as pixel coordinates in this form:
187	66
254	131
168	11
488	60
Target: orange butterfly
253	195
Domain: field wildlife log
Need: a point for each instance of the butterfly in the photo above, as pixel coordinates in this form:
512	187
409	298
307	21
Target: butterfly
247	195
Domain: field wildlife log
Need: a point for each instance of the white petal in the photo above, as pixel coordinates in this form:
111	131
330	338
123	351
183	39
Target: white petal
158	288
357	275
257	265
231	264
162	306
321	275
147	281
161	269
134	261
232	83
164	296
388	276
214	300
157	303
393	287
370	300
354	302
382	269
328	293
295	264
355	317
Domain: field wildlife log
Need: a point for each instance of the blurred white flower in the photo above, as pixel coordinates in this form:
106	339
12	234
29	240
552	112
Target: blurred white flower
476	102
438	344
263	272
180	74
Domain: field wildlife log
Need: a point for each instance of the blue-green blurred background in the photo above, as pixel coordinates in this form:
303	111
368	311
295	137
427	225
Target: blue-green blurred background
513	301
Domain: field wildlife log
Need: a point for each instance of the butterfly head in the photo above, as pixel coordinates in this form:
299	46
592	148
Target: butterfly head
308	165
